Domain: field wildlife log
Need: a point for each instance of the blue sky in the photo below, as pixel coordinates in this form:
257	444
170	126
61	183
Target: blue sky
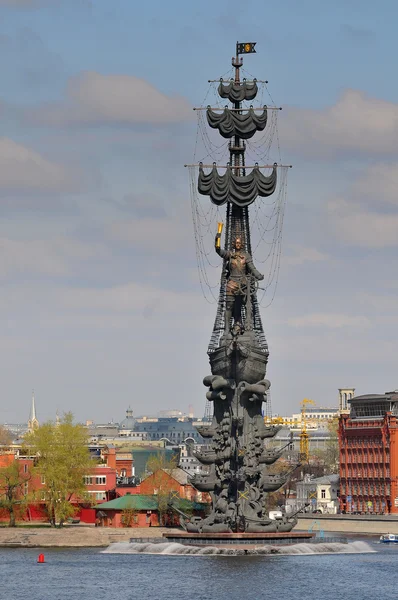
101	302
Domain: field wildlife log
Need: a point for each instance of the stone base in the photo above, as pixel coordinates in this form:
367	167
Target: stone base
238	540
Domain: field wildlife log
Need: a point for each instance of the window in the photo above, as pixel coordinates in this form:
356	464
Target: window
123	473
100	480
43	480
88	480
26	488
25	468
99	495
323	493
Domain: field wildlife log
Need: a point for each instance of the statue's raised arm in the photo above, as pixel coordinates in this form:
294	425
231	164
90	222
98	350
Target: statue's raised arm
217	244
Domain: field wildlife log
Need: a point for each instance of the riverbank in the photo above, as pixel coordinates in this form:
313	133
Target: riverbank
349	524
72	537
82	536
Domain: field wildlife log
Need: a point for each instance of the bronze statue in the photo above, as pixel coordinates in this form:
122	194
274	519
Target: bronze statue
240	270
239	477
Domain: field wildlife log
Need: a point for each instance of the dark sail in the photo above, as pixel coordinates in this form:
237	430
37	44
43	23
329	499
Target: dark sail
230	123
240	190
237	92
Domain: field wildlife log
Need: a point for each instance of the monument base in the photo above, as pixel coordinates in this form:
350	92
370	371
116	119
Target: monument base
238	540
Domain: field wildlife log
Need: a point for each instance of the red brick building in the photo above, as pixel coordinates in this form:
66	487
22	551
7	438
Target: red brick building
172	480
104	482
368	440
130	510
140	510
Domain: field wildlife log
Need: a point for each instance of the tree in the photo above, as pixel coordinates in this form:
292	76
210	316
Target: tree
12	489
5	436
162	467
62	461
329	456
280	497
129	517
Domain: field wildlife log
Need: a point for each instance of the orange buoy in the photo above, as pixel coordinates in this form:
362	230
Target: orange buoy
41	558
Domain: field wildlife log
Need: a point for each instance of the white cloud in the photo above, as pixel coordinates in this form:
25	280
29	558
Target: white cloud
299	255
24	169
155	235
366	215
355	123
57	257
135	298
96	98
379	183
330	321
357	226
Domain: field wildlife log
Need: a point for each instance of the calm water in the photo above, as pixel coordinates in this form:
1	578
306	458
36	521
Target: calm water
85	574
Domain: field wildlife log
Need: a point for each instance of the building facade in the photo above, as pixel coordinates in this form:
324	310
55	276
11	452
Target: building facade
111	475
368	437
318	494
172	430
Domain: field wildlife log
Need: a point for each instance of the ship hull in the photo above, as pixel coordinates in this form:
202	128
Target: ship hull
239	368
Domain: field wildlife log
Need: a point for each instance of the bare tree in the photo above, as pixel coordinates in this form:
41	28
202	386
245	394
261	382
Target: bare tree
5	436
162	468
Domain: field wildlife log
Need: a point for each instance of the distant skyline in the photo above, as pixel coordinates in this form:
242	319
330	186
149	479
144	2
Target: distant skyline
101	304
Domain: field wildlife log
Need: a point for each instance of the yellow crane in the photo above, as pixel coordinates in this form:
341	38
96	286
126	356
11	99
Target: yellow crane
304	438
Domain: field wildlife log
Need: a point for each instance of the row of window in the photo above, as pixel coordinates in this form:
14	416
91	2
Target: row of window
367	473
358	442
364	459
173	434
95	479
369	490
98	495
365	453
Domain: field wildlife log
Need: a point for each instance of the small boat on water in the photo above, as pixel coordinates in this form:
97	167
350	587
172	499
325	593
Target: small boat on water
389	538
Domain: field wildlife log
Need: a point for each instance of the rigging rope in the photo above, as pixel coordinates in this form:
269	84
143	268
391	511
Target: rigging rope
266	214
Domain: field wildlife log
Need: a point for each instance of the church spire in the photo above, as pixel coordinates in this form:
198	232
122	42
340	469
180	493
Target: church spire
33	423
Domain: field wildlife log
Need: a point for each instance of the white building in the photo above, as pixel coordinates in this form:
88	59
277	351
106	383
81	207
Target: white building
320	494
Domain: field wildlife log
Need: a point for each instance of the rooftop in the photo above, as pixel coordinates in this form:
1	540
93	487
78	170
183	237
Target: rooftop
142	502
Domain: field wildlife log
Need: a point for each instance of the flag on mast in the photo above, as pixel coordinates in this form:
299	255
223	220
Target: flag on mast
245	48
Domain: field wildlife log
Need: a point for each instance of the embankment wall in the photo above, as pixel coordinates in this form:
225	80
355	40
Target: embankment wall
91	537
347	524
72	537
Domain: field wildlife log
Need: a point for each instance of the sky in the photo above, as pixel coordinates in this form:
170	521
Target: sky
101	303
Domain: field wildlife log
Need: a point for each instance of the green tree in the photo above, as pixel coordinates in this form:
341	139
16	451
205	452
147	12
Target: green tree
162	468
12	489
62	461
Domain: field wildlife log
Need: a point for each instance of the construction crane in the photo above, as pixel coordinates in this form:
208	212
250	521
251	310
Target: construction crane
304	438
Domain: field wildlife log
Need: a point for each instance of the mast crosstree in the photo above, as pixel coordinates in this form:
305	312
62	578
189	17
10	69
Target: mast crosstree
238	461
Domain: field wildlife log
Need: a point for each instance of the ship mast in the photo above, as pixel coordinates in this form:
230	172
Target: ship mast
238	462
237	222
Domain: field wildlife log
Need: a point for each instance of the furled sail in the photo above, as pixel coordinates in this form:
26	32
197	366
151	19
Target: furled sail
240	190
230	123
237	92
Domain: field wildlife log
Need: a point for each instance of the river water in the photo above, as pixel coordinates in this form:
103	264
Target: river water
117	573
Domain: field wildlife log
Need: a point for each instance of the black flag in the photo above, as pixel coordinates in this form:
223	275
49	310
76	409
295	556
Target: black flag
245	48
